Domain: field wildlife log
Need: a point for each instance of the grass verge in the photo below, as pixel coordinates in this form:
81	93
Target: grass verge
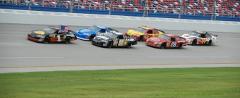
141	83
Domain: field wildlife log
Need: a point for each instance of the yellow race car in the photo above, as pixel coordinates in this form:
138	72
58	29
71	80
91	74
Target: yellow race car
143	33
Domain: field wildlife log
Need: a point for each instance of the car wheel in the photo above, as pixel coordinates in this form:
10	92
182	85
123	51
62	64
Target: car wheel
194	42
129	45
110	44
141	38
163	46
68	40
209	43
93	42
180	46
91	37
46	39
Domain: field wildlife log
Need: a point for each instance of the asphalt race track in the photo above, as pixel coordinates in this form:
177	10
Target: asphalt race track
17	54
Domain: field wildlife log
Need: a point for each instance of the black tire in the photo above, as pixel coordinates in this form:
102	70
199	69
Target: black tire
110	44
209	43
68	40
180	46
93	43
163	46
129	45
91	37
141	38
46	39
194	42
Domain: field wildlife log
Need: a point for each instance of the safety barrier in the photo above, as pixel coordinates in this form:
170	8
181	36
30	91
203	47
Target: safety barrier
76	19
117	12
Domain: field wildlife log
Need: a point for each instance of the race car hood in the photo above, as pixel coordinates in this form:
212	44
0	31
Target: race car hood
86	31
160	32
155	39
188	36
103	37
134	32
39	32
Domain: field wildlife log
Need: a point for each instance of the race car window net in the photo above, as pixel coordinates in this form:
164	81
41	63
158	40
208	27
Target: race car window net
102	31
173	39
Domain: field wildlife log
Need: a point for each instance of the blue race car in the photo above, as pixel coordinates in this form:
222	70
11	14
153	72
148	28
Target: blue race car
90	33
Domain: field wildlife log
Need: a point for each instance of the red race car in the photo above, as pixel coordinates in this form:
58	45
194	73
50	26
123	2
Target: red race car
166	41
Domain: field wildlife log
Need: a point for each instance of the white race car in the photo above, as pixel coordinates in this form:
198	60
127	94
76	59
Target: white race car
200	38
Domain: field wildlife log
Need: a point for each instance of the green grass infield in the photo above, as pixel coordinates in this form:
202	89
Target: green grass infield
139	83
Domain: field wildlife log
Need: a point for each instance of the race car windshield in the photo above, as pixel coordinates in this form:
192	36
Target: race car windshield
160	31
111	29
140	30
49	30
208	35
114	35
94	28
195	33
102	30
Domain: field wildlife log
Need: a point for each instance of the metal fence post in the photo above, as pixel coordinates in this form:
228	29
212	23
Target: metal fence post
110	8
215	4
181	9
145	12
29	4
214	11
71	6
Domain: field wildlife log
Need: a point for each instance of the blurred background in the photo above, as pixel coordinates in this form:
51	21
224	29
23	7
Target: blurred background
182	9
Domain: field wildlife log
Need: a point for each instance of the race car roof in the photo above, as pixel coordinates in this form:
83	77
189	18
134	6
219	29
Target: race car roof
102	27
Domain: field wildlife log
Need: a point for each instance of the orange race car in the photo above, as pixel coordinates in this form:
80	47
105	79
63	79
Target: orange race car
167	41
144	32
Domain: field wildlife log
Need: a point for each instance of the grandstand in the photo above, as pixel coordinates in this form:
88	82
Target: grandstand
212	9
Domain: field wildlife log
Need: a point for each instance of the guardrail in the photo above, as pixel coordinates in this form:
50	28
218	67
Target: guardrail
117	12
76	19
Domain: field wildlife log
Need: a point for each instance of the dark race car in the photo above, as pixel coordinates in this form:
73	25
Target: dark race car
166	41
113	39
52	35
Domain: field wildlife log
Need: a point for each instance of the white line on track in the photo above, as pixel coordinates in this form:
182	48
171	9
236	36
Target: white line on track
12	44
97	67
5	58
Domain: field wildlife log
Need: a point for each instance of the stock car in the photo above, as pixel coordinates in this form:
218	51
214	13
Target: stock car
166	41
90	33
142	33
200	38
113	38
52	35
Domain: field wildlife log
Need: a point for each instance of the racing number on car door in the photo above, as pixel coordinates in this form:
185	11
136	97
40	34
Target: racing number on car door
202	41
121	42
58	38
173	44
115	42
53	37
